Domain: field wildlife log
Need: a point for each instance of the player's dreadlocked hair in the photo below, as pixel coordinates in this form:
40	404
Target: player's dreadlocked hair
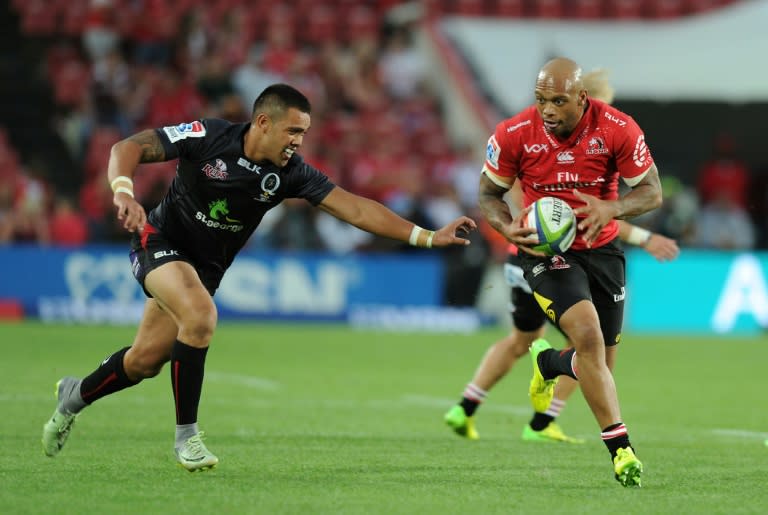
597	85
278	98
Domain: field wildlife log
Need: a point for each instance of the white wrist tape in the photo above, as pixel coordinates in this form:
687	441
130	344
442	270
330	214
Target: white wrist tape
415	233
638	236
120	178
123	189
429	239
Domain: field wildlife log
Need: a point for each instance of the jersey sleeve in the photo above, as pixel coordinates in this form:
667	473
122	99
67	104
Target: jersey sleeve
633	158
186	139
501	163
309	183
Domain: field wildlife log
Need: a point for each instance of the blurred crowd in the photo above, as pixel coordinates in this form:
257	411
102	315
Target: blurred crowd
127	65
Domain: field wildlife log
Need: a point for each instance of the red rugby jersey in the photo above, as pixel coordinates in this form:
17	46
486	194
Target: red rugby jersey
605	145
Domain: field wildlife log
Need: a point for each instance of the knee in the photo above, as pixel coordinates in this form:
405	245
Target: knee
586	338
197	329
515	345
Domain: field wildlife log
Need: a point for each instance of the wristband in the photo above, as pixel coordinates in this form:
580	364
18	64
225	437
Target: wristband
429	239
123	189
416	236
415	233
638	236
119	179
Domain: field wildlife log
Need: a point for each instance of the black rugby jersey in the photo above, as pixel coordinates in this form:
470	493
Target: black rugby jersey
219	196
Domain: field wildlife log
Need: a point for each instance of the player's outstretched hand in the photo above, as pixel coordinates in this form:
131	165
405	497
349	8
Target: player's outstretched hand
662	248
130	212
449	235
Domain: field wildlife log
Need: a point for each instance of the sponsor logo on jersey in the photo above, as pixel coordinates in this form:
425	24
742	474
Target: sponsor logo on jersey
536	148
513	128
218	217
640	154
567	185
565	157
269	185
538	269
165	253
492	152
596	145
618	297
219	211
615	119
217	170
185	130
251	167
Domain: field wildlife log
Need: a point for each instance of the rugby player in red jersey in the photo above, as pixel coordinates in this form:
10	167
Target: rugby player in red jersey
227	177
576	148
529	322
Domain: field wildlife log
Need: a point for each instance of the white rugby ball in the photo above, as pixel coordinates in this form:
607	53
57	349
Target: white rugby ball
555	225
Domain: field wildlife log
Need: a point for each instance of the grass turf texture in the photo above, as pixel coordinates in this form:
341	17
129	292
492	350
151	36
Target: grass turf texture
328	420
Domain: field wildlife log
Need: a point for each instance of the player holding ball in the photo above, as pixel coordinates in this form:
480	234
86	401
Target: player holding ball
571	146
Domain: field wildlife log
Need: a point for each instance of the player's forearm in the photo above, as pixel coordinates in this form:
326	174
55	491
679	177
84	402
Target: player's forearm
493	206
367	214
124	157
496	212
643	198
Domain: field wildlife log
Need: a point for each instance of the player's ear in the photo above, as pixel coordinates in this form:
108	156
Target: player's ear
262	121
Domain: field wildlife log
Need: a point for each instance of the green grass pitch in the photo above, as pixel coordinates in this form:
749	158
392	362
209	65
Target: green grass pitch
329	420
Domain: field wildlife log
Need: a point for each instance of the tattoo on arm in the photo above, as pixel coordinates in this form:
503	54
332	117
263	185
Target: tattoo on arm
152	150
644	197
492	204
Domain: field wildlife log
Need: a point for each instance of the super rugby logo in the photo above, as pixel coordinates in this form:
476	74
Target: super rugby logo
217	170
492	151
185	130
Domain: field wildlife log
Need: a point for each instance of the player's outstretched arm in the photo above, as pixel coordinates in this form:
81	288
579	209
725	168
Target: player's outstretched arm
660	247
371	216
125	156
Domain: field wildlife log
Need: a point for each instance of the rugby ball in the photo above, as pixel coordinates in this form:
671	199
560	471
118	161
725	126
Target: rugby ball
555	225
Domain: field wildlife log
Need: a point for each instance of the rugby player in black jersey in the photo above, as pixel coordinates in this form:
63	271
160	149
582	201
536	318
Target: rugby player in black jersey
228	176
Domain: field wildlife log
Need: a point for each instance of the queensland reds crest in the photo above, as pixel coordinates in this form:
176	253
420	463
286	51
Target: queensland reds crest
217	170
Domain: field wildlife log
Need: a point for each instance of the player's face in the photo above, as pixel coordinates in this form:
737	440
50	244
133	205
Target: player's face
285	135
560	110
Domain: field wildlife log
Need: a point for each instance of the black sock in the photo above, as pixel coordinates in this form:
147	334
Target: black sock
187	365
615	437
469	405
107	379
540	421
553	363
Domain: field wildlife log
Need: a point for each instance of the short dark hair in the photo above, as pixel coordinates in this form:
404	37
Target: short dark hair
278	98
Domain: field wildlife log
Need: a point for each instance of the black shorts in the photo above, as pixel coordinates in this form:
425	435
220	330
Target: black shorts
150	249
596	275
526	313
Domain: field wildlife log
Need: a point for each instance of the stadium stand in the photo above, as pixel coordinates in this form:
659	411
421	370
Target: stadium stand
112	67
